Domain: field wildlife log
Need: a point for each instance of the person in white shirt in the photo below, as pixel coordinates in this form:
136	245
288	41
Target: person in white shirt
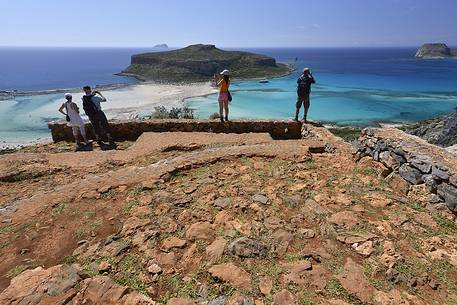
73	118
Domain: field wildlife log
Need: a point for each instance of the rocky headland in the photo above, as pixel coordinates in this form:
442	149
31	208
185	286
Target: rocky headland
236	216
435	50
441	131
197	63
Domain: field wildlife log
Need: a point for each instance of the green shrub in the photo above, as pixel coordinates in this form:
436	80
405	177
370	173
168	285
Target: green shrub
161	112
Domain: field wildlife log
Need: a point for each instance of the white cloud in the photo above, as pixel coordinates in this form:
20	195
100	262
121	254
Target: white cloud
309	26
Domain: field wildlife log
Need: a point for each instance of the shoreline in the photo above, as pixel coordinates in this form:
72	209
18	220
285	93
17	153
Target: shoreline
6	95
125	101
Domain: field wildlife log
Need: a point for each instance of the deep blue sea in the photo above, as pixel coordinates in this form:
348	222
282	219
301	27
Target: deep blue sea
362	86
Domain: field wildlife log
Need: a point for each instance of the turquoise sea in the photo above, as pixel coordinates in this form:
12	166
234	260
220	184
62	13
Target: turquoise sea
363	86
355	86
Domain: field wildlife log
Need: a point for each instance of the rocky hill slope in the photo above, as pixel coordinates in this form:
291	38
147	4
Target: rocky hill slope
200	62
205	218
441	131
435	50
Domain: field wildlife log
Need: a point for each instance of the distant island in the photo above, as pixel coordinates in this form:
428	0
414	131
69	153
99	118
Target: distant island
435	50
161	46
200	62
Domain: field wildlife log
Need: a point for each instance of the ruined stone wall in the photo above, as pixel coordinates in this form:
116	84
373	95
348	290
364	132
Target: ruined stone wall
131	130
414	160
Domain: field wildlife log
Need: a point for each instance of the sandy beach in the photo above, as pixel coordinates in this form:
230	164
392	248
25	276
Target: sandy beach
32	112
140	99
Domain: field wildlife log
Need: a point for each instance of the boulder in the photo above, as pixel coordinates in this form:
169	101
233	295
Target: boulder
354	281
222	202
410	174
345	219
386	159
232	274
284	297
199	230
430	182
154	269
247	248
216	249
33	286
260	198
266	285
173	242
449	194
439	174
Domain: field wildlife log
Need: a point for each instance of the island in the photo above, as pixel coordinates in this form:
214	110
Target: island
197	63
435	51
161	46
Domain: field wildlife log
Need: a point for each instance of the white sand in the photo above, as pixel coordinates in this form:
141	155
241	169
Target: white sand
122	103
142	98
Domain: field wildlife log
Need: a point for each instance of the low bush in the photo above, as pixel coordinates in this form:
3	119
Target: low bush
161	112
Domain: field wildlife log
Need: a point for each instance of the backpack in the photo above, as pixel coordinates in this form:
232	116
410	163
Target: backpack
302	86
88	106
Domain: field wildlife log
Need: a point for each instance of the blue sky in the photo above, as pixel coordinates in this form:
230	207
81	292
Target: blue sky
229	23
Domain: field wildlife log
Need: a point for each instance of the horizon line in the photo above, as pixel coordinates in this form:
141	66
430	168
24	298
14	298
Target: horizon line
221	47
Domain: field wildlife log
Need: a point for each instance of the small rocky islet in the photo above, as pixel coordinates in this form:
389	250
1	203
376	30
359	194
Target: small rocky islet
435	51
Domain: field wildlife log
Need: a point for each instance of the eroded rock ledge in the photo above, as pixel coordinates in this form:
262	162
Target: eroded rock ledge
131	130
415	161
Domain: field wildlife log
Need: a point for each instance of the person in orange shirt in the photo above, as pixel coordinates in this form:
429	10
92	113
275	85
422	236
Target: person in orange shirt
224	95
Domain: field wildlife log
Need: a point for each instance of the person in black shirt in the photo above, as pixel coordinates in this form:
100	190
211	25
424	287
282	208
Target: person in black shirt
303	92
92	108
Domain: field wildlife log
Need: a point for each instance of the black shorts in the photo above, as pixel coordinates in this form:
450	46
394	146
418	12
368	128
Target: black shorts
302	100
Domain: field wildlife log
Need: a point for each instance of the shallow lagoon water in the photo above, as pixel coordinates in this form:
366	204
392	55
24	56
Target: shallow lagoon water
354	87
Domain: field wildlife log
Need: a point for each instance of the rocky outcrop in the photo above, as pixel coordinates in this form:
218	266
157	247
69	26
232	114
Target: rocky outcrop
131	130
414	160
63	285
435	50
161	46
200	62
440	131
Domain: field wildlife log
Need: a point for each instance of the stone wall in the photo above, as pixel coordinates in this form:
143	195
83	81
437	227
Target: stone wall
414	160
130	130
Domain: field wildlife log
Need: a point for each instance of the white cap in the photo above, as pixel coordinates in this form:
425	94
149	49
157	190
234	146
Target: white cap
68	95
225	72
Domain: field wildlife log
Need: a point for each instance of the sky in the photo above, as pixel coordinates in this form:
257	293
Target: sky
229	23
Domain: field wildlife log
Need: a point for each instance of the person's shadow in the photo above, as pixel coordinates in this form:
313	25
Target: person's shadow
87	147
104	146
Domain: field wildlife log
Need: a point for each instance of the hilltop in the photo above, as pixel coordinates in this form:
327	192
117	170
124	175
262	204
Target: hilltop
200	62
435	50
187	218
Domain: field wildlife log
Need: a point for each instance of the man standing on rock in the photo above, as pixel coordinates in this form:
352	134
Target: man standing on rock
93	109
303	92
